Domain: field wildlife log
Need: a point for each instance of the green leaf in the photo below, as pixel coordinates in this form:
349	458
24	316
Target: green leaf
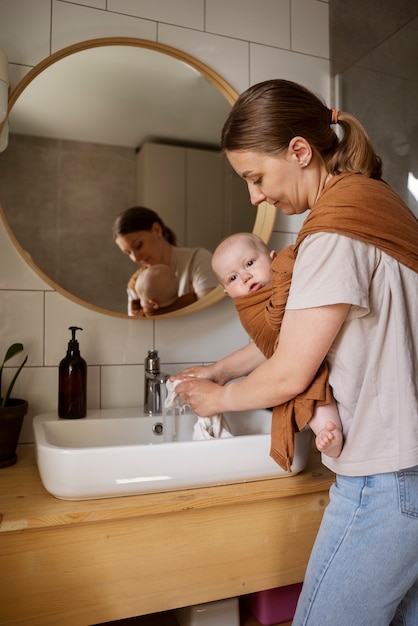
9	391
14	349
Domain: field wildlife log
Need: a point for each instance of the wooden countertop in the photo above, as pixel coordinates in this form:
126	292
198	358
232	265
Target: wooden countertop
25	504
94	561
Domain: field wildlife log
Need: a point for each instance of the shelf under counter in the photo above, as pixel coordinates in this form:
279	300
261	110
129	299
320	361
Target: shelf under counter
92	561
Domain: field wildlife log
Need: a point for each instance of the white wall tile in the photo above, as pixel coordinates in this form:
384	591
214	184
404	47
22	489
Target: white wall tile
97	4
16	73
122	386
25	30
187	13
22	321
105	338
228	57
266	21
175	368
93	387
267	63
310	29
215	333
39	385
73	23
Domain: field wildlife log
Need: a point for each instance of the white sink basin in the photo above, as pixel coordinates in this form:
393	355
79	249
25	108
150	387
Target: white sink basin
118	452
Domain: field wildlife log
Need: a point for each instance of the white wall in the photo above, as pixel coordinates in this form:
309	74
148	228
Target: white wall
244	41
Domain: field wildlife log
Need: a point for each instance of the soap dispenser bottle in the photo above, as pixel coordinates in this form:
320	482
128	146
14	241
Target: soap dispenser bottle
72	384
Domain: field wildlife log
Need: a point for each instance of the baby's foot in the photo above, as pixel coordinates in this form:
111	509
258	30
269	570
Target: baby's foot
329	440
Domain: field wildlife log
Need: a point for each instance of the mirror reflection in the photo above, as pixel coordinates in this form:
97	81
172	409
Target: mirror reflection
142	235
107	125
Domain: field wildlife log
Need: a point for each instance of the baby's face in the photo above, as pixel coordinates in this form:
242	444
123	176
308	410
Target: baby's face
243	268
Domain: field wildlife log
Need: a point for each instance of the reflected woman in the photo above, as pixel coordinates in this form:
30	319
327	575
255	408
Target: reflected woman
140	233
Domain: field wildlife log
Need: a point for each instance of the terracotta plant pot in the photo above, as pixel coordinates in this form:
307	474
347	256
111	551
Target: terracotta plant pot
11	420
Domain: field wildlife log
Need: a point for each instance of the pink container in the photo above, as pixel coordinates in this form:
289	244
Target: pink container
274	605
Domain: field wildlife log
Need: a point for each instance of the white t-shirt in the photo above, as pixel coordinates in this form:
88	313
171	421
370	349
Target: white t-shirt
374	359
194	271
193	268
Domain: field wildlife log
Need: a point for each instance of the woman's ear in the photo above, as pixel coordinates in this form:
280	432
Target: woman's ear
302	149
157	229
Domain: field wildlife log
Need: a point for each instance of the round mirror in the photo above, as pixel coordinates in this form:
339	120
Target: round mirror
104	125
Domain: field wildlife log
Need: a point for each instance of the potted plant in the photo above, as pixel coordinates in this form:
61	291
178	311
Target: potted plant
12	412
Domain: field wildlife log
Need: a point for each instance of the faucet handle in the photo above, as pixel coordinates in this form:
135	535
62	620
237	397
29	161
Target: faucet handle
152	362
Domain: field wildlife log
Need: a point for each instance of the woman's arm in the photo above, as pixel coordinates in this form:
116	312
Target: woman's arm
238	363
305	338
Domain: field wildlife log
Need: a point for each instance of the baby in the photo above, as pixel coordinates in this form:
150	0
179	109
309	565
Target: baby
242	263
157	287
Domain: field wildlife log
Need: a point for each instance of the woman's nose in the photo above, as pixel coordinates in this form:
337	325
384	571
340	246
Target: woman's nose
136	257
256	196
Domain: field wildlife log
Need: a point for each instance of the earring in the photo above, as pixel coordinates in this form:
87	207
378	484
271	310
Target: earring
305	164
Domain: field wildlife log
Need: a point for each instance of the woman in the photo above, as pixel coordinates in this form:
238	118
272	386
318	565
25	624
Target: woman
353	300
142	235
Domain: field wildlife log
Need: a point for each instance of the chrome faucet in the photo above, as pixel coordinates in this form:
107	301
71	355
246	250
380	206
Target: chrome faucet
154	381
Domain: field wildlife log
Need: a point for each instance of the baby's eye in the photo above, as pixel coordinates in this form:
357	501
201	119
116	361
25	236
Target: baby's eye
232	278
250	262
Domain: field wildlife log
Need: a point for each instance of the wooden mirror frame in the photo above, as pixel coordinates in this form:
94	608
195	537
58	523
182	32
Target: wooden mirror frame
265	215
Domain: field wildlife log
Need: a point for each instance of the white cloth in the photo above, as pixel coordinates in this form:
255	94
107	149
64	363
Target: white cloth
213	427
193	268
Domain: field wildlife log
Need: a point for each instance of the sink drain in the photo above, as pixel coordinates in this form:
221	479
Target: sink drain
158	428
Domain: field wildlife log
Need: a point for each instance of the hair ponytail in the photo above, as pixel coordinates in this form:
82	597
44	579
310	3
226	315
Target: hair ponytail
267	116
354	152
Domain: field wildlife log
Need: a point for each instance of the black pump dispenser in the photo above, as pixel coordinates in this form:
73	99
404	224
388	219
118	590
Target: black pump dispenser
72	384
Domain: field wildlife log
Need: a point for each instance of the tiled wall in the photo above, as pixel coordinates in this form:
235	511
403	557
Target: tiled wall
75	189
245	42
376	60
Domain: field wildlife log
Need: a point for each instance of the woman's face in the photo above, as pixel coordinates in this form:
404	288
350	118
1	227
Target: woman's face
278	179
143	246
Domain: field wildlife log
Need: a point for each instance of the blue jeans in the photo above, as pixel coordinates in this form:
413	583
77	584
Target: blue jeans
363	570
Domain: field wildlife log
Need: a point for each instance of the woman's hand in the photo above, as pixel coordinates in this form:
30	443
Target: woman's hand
233	366
207	372
203	396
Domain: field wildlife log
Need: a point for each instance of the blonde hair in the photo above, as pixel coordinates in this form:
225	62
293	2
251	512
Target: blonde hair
254	240
267	116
